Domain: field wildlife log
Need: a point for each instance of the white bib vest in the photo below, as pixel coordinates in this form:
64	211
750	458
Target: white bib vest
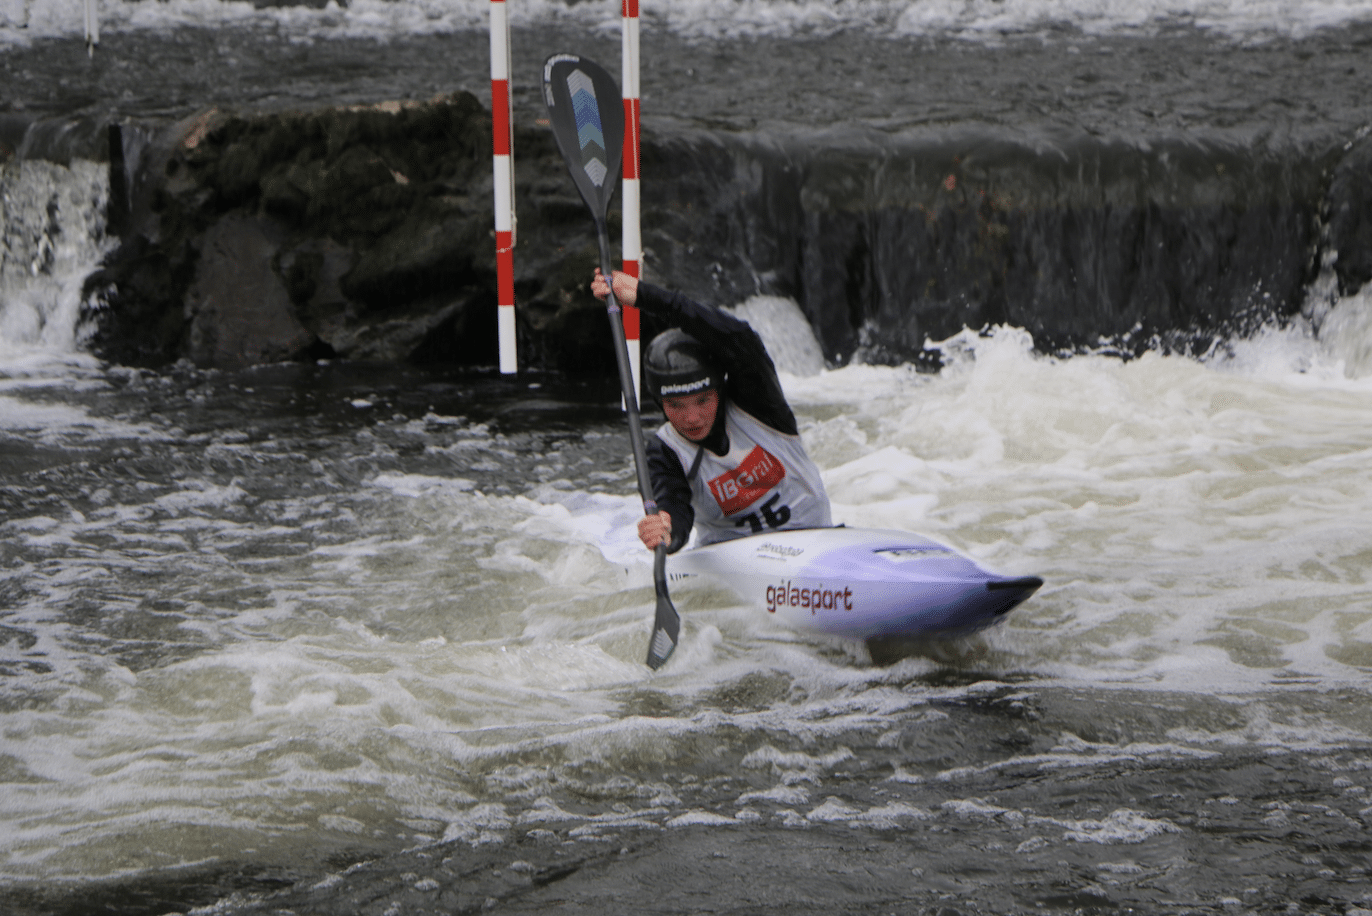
765	482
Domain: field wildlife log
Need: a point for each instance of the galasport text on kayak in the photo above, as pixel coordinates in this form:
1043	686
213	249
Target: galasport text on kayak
815	599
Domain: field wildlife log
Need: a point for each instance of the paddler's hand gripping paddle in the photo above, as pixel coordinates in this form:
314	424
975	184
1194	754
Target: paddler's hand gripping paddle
587	116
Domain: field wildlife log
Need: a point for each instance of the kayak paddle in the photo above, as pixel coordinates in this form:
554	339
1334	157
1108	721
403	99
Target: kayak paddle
587	117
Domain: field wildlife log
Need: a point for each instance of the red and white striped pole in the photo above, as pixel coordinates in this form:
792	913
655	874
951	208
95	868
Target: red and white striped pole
633	241
502	135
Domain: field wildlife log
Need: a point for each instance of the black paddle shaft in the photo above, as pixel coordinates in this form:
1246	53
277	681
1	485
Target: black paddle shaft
587	118
626	377
667	625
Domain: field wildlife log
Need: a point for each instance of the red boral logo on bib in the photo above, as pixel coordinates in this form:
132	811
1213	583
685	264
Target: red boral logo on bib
755	475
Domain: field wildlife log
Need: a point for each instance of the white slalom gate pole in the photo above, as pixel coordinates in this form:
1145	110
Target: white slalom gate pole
502	135
502	140
92	26
632	252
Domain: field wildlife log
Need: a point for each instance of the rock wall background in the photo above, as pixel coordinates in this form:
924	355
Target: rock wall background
366	233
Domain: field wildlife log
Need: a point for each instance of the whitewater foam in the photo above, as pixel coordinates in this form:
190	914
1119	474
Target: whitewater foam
54	237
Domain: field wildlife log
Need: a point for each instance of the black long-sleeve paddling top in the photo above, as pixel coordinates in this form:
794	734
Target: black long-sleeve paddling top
751	383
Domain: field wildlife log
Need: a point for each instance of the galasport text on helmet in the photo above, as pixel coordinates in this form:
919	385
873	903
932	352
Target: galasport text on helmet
677	364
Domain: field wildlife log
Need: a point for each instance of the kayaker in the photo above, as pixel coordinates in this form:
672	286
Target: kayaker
729	460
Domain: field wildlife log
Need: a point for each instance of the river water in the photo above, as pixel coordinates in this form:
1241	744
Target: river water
368	639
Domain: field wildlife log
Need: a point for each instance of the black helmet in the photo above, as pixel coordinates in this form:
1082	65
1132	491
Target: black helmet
677	364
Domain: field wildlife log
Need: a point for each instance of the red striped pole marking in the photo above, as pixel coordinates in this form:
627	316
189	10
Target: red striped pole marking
633	241
502	135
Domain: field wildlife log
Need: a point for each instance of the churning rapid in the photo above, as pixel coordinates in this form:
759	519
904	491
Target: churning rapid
257	627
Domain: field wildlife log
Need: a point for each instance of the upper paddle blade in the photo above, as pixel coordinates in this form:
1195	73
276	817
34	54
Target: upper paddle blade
587	116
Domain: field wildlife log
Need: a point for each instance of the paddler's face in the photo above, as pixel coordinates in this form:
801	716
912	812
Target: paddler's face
692	415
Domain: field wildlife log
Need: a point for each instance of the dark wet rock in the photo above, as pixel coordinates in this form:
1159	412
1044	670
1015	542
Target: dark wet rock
238	310
894	240
1350	217
364	233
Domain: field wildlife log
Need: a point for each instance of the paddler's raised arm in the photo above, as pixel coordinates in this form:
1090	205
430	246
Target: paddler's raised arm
753	384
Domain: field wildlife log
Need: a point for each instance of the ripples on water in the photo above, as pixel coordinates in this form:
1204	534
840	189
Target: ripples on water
308	614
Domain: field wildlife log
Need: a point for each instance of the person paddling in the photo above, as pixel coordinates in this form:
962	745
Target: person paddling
729	460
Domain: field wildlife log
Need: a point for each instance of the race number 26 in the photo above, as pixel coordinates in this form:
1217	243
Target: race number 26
771	516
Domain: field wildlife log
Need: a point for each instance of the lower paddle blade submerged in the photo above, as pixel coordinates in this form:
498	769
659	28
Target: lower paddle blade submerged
666	621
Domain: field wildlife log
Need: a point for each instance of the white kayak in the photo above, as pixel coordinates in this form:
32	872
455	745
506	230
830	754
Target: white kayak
857	582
